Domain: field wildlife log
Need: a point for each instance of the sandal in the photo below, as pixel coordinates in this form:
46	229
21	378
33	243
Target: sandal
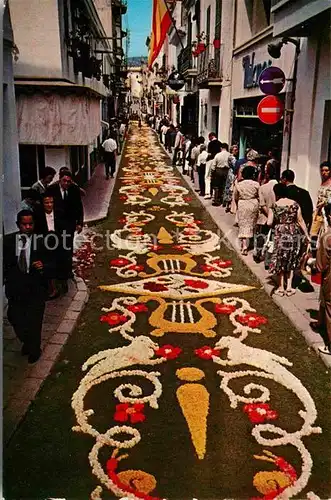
290	292
279	292
244	251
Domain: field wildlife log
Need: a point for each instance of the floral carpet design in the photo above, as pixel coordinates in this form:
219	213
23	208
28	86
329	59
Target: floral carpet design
182	379
169	269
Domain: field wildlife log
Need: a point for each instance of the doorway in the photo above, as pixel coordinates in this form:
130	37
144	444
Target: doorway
215	113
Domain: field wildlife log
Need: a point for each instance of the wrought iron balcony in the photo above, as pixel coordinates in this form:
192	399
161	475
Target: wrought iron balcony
209	64
186	64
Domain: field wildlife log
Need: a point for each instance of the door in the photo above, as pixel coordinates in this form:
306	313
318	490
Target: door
215	113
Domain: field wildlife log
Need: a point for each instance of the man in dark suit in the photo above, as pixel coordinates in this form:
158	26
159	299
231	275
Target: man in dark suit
300	195
68	205
50	224
214	147
25	284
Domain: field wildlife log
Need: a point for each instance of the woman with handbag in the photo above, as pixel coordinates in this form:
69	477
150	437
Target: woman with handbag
289	230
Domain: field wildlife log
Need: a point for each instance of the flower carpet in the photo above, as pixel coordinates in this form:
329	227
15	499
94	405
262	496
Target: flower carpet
182	380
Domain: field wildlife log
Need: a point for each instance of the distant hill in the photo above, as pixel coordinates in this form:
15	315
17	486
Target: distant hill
136	61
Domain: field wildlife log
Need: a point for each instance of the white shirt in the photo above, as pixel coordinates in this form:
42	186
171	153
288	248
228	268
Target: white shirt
27	247
122	129
202	158
109	145
62	192
178	140
50	221
221	160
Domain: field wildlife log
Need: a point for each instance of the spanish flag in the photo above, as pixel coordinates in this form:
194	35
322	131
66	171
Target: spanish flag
161	23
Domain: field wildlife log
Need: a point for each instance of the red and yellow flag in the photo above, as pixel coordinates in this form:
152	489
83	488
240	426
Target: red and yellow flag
161	23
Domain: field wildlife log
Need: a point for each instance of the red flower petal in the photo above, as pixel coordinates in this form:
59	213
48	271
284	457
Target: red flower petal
196	284
135	308
224	309
207	352
121	416
168	351
119	262
137	417
136	267
155	287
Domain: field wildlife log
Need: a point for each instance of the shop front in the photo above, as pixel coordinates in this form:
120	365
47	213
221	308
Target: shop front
248	131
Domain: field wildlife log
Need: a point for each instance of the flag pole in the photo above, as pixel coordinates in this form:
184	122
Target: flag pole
173	23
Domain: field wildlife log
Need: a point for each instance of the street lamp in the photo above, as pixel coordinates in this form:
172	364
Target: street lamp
274	50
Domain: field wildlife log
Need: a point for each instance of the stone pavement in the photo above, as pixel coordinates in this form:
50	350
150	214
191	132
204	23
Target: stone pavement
21	380
98	194
299	308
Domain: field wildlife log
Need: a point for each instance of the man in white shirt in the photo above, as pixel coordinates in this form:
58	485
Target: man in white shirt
110	148
121	132
201	167
219	172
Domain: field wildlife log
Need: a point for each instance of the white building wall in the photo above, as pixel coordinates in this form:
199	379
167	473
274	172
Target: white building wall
227	39
37	36
11	171
57	157
311	128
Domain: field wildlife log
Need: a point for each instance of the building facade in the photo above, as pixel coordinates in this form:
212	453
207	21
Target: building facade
221	48
65	80
11	172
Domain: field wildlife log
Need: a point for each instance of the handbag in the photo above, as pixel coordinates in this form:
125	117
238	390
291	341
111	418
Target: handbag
268	247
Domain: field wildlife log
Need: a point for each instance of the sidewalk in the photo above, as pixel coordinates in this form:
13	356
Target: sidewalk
98	193
21	380
299	307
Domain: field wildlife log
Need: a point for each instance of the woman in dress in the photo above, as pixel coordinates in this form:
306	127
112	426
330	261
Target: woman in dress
246	194
227	198
289	230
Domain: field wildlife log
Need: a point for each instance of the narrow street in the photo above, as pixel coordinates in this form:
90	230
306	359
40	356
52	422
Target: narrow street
183	379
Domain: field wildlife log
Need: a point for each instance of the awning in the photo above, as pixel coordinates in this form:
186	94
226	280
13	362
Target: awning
50	118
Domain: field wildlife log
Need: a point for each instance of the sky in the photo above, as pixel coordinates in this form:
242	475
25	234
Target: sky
138	17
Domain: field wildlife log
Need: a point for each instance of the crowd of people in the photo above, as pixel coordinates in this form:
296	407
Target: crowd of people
275	217
38	260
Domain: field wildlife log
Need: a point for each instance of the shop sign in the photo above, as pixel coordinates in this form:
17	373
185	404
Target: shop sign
252	71
176	81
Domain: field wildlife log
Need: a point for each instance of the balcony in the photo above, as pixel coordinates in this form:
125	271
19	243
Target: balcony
119	7
209	67
186	64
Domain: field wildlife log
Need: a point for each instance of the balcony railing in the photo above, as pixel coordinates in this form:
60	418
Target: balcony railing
186	61
209	64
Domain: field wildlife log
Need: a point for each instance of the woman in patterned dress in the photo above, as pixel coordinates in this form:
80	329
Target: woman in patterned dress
246	194
289	230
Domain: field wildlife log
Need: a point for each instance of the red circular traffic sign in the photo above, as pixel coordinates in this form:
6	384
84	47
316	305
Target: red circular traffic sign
270	109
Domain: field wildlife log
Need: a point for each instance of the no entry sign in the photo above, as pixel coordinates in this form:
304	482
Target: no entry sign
270	109
271	80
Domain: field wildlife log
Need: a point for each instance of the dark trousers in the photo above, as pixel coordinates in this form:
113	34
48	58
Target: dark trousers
174	158
110	163
26	317
201	173
219	177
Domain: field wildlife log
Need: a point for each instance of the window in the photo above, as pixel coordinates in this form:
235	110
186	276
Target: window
189	31
32	162
208	25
